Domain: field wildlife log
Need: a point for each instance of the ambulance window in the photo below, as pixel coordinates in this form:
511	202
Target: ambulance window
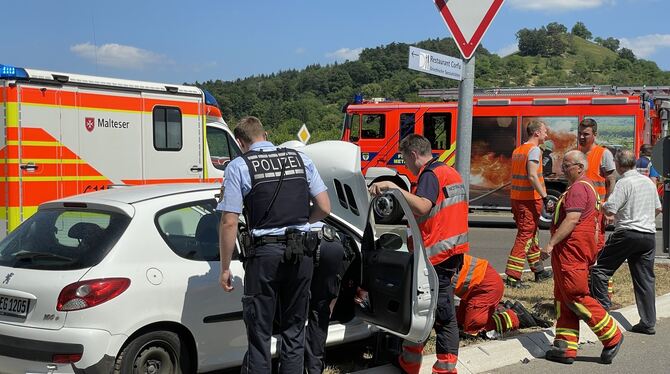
406	125
167	129
222	147
437	128
355	128
373	126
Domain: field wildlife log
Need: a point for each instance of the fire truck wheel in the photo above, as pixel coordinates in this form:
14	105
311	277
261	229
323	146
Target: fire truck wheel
546	217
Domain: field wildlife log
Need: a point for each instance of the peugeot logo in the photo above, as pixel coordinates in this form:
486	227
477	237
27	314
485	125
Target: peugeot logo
8	277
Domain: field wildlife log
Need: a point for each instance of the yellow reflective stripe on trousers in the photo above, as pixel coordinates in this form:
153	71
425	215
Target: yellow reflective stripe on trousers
496	319
610	333
601	325
567	332
446	244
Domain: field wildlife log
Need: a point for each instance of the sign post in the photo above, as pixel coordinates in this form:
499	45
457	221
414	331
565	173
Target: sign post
467	20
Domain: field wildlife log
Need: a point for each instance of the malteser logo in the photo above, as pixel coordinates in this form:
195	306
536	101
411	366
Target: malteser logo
90	124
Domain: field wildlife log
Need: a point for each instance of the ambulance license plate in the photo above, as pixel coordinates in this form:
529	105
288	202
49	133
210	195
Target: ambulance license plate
14	306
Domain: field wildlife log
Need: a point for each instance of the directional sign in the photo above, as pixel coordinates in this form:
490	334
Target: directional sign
468	20
303	134
435	63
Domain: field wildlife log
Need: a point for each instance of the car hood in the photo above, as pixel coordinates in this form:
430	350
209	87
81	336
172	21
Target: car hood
339	164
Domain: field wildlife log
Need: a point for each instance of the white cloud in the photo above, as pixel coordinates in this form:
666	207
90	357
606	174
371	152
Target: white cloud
300	50
508	50
645	46
344	54
560	5
118	55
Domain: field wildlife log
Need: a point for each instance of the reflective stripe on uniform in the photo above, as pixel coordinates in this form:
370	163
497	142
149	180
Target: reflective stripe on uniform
446	244
445	203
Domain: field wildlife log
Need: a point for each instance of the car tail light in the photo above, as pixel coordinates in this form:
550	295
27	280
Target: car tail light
66	358
85	294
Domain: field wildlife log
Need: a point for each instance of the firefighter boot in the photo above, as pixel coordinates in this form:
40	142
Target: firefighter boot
558	355
608	354
525	318
515	283
543	275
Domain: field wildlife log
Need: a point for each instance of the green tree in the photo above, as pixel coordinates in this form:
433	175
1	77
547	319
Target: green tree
579	29
627	54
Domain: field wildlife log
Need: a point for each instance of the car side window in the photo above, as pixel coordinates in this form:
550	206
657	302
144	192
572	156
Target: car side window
191	230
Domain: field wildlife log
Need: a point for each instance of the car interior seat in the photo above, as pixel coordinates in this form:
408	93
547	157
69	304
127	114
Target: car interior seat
207	236
86	232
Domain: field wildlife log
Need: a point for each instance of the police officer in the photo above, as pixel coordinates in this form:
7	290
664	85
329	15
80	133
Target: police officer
331	262
275	186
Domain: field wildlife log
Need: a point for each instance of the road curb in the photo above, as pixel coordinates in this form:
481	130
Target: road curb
495	354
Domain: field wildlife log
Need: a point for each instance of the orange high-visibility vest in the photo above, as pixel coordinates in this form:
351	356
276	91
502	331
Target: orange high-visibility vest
595	158
444	229
521	188
471	275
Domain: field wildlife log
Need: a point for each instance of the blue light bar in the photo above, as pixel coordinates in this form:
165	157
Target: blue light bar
210	100
358	98
7	71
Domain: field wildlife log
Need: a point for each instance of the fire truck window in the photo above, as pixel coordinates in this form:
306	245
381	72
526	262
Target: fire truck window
167	129
355	128
406	125
222	147
616	132
437	128
373	126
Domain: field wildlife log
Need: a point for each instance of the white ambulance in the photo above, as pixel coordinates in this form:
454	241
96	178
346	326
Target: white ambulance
63	134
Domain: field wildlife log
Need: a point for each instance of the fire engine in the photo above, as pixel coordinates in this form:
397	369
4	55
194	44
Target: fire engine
64	134
626	116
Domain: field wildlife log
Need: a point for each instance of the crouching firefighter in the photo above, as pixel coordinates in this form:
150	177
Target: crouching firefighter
275	187
334	253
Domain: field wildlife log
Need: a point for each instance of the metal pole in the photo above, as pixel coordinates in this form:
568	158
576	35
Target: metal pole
666	216
464	130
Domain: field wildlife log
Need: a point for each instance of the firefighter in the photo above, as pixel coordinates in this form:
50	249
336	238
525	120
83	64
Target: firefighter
600	172
275	187
528	196
573	249
439	201
480	289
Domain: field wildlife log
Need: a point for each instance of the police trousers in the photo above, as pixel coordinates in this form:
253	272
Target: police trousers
324	289
269	283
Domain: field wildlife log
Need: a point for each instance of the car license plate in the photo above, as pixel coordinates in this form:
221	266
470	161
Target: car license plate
14	306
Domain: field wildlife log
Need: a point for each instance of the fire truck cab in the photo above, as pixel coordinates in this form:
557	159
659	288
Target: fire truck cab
626	116
64	134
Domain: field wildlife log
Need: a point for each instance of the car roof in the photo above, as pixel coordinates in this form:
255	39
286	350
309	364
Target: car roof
122	197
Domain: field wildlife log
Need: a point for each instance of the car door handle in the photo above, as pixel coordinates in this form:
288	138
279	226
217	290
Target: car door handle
196	169
29	167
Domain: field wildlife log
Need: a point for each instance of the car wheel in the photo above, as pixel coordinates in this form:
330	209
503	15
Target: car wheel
156	352
546	217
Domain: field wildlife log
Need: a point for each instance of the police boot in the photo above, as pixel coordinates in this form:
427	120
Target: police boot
525	318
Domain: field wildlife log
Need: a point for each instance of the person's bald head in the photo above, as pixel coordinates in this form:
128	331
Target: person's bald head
574	165
624	160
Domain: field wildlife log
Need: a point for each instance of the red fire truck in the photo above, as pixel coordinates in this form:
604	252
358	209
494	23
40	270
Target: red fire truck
626	116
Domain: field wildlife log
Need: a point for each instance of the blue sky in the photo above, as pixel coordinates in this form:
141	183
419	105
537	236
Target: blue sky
184	41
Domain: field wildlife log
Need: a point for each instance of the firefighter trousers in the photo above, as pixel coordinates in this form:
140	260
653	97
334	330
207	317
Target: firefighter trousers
526	245
446	330
271	283
574	302
477	309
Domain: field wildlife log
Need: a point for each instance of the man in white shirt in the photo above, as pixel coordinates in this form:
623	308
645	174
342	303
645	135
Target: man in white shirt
634	205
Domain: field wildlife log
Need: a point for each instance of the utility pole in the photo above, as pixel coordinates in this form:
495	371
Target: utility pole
464	130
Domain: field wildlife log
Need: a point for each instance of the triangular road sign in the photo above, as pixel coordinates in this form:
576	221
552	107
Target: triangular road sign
468	20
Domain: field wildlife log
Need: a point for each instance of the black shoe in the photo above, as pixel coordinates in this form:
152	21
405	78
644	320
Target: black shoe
643	330
515	283
541	322
525	318
608	354
557	355
543	275
508	304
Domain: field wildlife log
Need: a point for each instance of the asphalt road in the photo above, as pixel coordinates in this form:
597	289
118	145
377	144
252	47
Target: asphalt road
492	235
638	354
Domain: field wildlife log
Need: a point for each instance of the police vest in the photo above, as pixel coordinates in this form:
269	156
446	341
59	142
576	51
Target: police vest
471	274
521	188
595	158
444	228
268	170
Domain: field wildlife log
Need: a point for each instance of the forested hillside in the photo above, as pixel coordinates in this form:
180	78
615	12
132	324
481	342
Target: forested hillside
316	94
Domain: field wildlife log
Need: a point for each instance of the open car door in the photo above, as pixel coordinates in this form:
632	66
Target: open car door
401	282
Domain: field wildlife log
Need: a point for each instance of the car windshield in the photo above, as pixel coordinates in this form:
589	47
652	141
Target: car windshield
62	239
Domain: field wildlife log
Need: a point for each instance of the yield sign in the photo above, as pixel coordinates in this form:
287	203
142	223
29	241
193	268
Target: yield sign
468	20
